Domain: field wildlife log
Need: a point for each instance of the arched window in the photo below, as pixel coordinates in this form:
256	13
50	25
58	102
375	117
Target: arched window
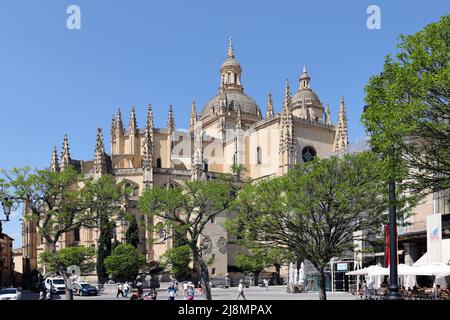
258	155
308	154
158	163
235	78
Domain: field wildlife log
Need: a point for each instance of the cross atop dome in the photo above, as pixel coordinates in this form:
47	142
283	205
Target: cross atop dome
230	48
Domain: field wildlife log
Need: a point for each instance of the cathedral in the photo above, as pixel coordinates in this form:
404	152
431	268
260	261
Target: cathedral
229	129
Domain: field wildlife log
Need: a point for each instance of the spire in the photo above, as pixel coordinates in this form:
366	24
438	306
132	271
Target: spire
54	167
113	129
287	98
119	124
304	80
65	154
328	116
193	119
132	128
286	134
170	121
230	53
222	101
147	150
239	118
341	140
269	106
99	154
150	118
231	71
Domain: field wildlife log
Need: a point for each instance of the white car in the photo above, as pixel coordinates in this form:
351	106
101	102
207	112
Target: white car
10	294
57	285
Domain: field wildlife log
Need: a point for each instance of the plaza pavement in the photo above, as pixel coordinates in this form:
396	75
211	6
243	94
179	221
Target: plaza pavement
252	293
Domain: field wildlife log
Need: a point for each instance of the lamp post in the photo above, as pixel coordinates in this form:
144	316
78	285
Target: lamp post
6	204
393	274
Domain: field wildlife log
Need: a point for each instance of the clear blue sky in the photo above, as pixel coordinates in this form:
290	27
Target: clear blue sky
55	81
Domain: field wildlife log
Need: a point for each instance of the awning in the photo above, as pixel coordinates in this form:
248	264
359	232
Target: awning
445	256
364	271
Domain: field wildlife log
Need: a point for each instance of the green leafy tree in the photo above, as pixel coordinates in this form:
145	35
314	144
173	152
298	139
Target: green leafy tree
124	262
54	203
82	257
254	262
104	197
316	210
408	111
132	234
185	211
177	260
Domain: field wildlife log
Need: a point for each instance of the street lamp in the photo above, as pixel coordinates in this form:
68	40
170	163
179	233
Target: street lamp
6	209
393	274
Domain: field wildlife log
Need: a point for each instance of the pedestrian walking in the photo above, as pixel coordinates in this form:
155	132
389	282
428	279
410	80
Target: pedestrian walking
190	293
126	289
119	290
185	289
171	291
266	284
140	289
241	290
42	295
48	296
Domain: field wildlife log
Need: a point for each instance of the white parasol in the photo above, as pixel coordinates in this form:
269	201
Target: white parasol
301	274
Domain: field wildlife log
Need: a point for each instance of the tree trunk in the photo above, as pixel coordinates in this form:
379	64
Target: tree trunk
204	273
63	272
255	278
322	290
69	292
277	271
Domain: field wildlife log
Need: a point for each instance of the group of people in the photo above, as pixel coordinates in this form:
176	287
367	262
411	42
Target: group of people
188	290
123	289
45	295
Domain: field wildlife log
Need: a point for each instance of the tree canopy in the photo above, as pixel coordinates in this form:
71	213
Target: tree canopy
124	262
316	210
184	212
408	109
82	257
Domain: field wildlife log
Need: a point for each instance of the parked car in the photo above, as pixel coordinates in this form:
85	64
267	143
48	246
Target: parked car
10	294
84	289
56	285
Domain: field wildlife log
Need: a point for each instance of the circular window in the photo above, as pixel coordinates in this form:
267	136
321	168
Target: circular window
308	154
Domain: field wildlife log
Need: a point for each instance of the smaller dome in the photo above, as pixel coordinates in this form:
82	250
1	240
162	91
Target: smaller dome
230	62
310	97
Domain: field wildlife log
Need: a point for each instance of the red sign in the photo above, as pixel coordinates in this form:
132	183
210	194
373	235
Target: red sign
386	246
387	252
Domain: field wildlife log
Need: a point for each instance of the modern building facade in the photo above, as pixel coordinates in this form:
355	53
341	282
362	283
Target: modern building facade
229	129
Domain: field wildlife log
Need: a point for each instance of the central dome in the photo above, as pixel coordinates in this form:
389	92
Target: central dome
235	99
231	95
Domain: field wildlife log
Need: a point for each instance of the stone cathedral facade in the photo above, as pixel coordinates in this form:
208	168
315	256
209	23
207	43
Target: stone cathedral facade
229	129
